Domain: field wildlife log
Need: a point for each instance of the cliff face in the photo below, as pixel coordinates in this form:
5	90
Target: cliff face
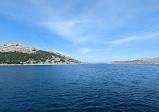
23	54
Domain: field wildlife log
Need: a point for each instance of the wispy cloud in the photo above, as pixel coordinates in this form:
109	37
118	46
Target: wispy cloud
84	50
77	23
87	27
96	24
70	30
134	38
62	22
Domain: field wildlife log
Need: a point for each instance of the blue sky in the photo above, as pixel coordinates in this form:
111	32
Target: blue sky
88	30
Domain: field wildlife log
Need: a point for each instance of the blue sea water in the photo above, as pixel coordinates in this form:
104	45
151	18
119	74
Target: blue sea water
80	88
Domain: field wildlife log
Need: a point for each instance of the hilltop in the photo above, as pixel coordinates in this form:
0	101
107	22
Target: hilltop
23	54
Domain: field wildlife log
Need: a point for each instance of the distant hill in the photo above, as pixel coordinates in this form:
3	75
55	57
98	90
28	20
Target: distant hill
139	61
23	54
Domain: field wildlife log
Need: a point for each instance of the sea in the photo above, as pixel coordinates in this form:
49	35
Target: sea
80	88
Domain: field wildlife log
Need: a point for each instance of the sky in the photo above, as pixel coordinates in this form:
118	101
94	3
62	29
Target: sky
87	30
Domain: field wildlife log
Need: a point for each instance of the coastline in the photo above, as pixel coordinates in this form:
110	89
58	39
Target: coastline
134	63
73	64
35	64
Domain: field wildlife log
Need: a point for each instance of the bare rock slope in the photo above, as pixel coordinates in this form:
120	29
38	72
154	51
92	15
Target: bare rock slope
17	47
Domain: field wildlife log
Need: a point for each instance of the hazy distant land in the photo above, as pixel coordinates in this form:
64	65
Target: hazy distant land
138	61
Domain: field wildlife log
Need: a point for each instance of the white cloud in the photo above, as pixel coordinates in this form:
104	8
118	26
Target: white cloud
71	30
64	20
84	50
134	38
95	24
89	22
84	26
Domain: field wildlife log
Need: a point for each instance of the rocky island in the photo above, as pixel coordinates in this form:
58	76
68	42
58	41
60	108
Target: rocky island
138	61
14	53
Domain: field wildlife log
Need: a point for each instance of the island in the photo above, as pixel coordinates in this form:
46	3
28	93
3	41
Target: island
21	54
138	61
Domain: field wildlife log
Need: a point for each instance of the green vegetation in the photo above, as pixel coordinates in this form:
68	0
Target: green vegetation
39	57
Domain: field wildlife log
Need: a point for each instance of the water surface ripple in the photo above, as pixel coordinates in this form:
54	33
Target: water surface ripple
80	88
